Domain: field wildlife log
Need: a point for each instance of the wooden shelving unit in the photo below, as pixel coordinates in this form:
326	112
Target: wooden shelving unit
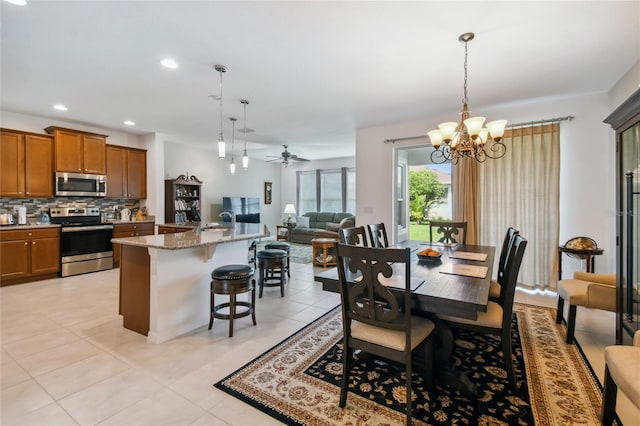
182	199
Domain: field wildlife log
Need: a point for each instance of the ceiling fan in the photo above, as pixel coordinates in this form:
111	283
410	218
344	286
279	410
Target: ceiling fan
285	156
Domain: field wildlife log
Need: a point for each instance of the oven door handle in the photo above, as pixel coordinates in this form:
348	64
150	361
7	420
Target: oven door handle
86	228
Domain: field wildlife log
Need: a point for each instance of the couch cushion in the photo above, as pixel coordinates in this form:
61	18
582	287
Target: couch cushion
332	226
302	222
337	217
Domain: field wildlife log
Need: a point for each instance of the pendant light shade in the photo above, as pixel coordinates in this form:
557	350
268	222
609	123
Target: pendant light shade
232	164
245	157
221	144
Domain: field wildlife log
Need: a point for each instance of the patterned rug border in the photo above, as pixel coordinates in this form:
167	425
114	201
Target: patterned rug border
556	405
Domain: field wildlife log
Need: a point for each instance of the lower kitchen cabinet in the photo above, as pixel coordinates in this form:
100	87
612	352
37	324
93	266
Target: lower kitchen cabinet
29	255
131	229
173	229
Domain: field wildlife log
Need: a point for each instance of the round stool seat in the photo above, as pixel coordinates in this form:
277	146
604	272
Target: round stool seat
272	254
232	272
278	246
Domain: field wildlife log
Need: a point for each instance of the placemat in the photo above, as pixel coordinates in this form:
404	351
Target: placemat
468	255
463	269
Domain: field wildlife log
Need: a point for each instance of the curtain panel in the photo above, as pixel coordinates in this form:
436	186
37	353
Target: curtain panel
522	189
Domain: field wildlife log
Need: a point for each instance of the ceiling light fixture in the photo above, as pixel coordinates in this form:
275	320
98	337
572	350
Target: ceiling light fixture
169	63
232	164
467	138
17	2
129	123
60	107
245	157
221	144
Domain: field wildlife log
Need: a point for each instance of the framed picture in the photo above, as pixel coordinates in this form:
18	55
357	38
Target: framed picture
267	192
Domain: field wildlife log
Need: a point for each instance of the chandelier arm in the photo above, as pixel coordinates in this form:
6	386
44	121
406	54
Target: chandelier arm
438	157
497	149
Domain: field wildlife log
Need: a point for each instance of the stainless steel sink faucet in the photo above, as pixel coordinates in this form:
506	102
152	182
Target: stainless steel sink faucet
231	215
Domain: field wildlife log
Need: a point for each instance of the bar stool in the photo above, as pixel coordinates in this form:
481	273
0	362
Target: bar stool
232	280
278	245
272	269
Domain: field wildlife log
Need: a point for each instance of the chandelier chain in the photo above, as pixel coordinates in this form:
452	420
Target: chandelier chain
465	100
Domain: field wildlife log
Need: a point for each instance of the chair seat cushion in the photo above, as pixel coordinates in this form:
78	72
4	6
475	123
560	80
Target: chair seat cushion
421	328
271	254
491	318
494	290
277	246
232	272
574	291
624	367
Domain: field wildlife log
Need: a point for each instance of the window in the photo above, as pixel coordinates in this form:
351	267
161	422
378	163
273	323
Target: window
327	190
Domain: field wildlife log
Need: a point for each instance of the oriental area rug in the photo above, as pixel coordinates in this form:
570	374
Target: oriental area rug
298	381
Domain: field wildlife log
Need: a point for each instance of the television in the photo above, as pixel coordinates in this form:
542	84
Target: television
246	209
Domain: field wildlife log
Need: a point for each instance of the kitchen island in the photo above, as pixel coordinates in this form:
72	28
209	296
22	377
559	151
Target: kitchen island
164	279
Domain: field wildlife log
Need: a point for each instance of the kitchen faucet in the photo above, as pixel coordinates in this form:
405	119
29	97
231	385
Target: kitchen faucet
231	215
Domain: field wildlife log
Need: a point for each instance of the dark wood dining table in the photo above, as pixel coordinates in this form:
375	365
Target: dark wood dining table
441	293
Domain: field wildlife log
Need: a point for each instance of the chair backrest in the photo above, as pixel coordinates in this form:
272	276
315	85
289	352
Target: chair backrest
363	273
378	235
450	231
506	247
511	278
355	236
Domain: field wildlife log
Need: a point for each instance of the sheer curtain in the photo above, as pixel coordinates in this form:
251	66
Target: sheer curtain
521	190
466	196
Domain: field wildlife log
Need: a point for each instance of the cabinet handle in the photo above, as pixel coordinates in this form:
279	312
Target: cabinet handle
30	234
33	243
26	243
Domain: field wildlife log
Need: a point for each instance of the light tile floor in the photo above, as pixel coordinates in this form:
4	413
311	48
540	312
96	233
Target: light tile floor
67	360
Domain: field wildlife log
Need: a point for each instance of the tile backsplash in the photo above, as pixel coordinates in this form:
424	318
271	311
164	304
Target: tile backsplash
37	206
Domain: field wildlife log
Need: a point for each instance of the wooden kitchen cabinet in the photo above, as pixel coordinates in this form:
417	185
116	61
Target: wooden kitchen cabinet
126	172
29	255
26	165
173	229
130	229
79	152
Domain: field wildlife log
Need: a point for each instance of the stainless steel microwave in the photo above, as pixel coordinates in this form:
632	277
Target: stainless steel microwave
80	185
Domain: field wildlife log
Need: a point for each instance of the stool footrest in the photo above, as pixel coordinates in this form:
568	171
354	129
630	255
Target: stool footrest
240	314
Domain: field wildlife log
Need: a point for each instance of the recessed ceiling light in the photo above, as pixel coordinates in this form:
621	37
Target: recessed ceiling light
17	2
169	63
129	123
60	107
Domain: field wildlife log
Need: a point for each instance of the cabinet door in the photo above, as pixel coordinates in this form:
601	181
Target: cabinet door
94	154
116	172
68	151
45	255
38	166
14	262
12	165
136	174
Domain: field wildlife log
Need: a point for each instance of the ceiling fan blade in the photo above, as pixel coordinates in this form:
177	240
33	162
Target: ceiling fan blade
296	158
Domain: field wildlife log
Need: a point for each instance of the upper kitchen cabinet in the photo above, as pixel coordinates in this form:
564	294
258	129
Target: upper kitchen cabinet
79	152
26	164
126	172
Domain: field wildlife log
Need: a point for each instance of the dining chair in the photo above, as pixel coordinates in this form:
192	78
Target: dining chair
622	363
494	290
355	236
374	317
378	235
450	231
497	319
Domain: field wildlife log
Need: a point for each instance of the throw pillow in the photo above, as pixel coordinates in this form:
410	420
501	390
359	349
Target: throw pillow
302	222
334	227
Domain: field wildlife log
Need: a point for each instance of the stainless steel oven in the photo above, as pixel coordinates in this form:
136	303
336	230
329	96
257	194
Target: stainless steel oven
85	242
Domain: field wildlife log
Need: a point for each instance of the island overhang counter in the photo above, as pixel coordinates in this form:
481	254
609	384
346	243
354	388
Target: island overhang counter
165	279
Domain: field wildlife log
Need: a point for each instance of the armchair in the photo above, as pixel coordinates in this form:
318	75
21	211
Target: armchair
594	291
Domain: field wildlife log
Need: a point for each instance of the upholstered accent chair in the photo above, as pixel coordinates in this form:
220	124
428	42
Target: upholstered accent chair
622	371
452	232
376	316
586	289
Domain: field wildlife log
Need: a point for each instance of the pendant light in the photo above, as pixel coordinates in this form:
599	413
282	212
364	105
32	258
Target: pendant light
221	144
245	157
232	164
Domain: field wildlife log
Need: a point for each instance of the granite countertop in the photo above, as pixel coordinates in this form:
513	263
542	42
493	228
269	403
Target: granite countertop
197	237
33	225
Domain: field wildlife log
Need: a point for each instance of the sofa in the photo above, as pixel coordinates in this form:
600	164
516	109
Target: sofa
320	225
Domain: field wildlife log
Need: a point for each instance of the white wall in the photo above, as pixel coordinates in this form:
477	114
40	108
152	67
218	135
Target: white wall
587	179
288	185
218	182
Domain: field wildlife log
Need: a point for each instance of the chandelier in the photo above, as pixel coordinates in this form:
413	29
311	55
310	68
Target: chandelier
467	138
221	144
